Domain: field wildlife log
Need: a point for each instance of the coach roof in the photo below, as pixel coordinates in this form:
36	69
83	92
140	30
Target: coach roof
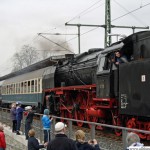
31	75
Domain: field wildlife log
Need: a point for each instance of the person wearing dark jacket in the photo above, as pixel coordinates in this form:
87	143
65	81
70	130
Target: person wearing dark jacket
82	145
61	141
33	143
19	116
13	117
29	119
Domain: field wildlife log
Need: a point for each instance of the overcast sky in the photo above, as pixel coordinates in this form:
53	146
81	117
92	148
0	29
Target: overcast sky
21	20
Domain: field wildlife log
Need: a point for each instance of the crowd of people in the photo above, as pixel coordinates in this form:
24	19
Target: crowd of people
61	141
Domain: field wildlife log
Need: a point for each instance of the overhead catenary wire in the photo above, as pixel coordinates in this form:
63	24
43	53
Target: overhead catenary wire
139	20
130	12
55	43
92	9
77	36
84	11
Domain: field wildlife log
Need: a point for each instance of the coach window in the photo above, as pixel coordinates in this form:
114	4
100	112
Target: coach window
25	87
19	86
5	89
16	88
29	86
8	89
32	86
12	89
35	85
39	85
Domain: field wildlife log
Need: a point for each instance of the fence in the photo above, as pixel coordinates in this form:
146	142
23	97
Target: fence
37	125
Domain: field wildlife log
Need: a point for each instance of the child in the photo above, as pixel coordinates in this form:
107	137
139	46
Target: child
33	143
46	121
81	144
2	139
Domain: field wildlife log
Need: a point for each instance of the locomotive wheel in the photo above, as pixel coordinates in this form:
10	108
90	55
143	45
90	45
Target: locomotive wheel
100	127
142	135
62	114
148	129
65	114
81	99
79	115
91	119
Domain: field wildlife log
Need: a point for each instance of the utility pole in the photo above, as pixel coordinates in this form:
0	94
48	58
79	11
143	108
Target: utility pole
107	26
107	23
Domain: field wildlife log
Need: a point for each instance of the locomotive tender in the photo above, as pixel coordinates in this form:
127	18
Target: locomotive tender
89	86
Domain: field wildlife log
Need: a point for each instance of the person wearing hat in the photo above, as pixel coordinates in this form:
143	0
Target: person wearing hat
28	120
19	116
61	141
2	138
46	121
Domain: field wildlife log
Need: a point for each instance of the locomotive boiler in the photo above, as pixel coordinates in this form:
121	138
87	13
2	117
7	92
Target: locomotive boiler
89	86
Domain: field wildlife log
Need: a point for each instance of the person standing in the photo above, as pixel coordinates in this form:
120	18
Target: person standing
33	143
13	117
46	121
61	141
2	138
28	120
19	116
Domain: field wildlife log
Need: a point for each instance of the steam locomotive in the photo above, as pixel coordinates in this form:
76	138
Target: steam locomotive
89	86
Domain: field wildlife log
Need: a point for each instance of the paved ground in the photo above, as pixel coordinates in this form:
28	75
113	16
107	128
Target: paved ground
13	141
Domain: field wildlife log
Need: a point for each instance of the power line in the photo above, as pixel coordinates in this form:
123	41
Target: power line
84	11
130	12
55	43
92	9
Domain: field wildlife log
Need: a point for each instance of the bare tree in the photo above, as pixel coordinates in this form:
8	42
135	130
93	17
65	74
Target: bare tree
30	55
27	56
